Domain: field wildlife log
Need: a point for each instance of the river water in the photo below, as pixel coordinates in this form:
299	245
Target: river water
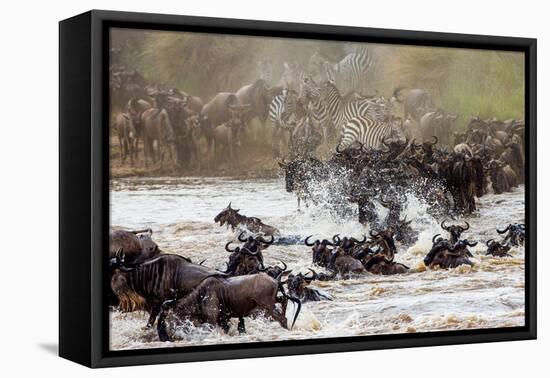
181	213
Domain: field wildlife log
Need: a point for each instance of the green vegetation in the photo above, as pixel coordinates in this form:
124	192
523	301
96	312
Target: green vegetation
463	81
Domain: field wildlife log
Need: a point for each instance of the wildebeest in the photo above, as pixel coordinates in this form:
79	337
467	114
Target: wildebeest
455	230
344	264
438	124
127	137
145	286
449	255
416	102
137	245
298	287
159	136
503	177
321	252
243	261
515	234
220	108
232	218
259	95
216	300
497	249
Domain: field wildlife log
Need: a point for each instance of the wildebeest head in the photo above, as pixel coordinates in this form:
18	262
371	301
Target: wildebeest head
276	271
320	249
347	244
243	261
385	239
455	230
297	283
255	244
496	248
228	216
148	246
515	233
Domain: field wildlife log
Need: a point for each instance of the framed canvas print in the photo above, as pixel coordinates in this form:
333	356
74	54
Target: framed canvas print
233	188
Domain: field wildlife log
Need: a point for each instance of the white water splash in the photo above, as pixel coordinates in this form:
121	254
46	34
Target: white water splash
181	212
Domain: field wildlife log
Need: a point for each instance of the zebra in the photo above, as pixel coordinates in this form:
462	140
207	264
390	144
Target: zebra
359	120
285	113
342	109
316	107
365	131
349	73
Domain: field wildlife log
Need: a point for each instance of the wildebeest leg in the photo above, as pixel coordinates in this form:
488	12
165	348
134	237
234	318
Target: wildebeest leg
161	327
155	309
224	323
241	327
121	147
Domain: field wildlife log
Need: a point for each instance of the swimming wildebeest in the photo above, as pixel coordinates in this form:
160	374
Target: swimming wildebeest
216	300
449	255
147	285
497	249
455	230
321	252
137	245
515	234
243	261
232	218
298	287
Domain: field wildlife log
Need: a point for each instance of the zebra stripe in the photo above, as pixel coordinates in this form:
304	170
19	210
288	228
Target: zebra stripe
283	113
343	110
351	71
364	130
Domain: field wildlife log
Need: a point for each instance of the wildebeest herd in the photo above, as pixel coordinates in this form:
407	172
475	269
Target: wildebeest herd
376	159
306	108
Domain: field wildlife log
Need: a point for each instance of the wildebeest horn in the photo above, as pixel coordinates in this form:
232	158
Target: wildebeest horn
359	241
435	140
336	239
467	226
327	242
306	243
228	249
488	242
470	243
309	279
260	238
443	226
147	230
503	231
240	235
435	236
284	265
202	262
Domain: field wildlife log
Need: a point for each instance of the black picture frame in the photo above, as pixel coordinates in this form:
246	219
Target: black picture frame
84	196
